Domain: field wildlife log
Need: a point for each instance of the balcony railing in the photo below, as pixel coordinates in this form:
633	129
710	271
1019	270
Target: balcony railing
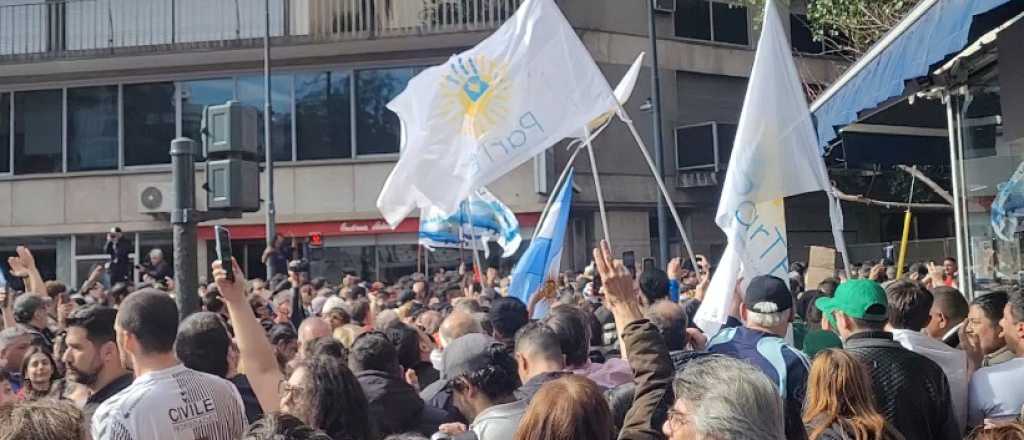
37	29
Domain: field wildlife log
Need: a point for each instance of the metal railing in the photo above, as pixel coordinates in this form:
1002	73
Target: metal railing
57	28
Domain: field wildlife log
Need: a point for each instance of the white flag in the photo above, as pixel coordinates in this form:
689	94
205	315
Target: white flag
775	155
487	110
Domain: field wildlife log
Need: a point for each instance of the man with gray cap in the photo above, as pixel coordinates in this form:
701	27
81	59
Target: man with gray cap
482	378
766	311
31	314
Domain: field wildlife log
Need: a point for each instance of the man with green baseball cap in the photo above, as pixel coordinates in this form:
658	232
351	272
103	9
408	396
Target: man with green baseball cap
911	390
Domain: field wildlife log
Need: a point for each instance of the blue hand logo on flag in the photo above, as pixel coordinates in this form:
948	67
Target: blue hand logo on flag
475	95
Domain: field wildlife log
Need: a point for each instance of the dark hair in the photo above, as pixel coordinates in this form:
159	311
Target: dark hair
373	351
949	259
359	310
499	379
151	316
671	321
119	291
280	426
909	305
339	313
864	324
42	420
26	306
282	333
992	304
828	286
507	315
812	313
96	320
54	288
920	269
951	302
1016	302
212	300
203	343
572	331
325	346
406	341
356	292
319	283
406	436
539	339
337	403
654	285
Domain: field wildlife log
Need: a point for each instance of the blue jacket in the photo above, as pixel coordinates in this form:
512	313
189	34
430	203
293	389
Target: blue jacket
784	365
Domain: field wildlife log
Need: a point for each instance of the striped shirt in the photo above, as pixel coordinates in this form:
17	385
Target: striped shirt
176	403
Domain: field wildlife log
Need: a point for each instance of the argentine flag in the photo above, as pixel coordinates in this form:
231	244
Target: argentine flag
542	259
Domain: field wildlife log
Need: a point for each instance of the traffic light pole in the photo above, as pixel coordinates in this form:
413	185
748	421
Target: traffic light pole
183	223
659	151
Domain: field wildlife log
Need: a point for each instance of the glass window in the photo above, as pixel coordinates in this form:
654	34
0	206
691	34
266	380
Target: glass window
5	133
730	23
377	128
726	137
195	96
695	146
692	19
802	36
323	115
250	92
149	123
38	131
92	128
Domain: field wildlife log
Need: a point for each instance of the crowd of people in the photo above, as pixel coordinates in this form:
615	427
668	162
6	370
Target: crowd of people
605	354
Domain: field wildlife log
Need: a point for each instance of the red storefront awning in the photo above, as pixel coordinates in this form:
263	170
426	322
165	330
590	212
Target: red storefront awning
337	228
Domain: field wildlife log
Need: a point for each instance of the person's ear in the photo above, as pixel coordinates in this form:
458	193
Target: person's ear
109	352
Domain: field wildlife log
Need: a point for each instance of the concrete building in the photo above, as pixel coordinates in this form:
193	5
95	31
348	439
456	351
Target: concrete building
92	92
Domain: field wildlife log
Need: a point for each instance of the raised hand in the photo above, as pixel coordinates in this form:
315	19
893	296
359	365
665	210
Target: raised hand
231	290
26	257
675	269
618	284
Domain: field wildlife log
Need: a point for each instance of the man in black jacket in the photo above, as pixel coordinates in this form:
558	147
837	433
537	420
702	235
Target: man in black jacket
120	261
911	390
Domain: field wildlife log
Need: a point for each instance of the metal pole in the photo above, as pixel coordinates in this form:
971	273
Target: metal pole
597	186
558	184
952	121
183	221
658	150
268	151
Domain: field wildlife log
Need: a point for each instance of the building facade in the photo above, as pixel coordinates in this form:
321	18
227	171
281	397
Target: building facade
93	91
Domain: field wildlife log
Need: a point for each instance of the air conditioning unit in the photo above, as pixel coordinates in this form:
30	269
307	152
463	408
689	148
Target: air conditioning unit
696	179
665	6
155	198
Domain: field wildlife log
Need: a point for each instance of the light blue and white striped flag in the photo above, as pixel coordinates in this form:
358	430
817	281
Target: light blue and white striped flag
543	258
483	217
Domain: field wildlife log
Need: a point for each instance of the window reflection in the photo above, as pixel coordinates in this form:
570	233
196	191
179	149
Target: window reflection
323	115
378	128
92	128
5	132
38	123
250	92
149	123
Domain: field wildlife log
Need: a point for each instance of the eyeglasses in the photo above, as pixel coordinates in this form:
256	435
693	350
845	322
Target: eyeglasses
284	389
677	420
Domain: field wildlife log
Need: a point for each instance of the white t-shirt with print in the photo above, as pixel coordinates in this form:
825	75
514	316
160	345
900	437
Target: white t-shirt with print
176	403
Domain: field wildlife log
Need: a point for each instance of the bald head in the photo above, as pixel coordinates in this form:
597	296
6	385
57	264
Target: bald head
311	329
458	324
671	320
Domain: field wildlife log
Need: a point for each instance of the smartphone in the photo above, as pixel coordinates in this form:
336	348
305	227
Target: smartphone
224	250
629	260
648	264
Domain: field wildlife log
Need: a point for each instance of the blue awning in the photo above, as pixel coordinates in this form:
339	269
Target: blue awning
933	30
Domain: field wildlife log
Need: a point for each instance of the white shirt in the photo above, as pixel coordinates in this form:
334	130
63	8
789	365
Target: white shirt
172	404
996	392
952	361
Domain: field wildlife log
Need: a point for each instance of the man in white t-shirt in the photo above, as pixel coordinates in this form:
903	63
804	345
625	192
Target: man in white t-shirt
167	401
995	392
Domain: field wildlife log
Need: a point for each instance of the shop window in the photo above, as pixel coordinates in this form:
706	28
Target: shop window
323	115
5	132
92	128
149	123
38	131
377	127
196	96
251	92
712	21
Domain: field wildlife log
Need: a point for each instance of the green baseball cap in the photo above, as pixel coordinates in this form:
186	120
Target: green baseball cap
855	298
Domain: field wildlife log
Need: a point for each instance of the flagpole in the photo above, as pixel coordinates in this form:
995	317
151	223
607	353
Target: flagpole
661	183
473	237
597	185
558	184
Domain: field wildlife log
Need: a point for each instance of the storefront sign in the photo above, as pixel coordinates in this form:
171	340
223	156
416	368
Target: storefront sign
336	228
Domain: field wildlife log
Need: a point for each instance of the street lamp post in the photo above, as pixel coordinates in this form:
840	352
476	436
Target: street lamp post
659	152
269	158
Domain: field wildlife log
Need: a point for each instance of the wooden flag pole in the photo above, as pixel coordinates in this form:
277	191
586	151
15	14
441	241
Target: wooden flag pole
661	183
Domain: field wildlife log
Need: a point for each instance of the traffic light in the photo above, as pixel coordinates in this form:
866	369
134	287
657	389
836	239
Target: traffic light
230	135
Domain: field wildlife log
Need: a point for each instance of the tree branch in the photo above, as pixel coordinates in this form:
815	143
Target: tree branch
928	182
891	205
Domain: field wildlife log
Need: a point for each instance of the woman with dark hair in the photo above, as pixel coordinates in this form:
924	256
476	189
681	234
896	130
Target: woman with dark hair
568	408
840	403
323	393
40	376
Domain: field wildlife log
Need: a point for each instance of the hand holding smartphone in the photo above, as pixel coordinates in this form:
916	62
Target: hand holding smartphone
224	251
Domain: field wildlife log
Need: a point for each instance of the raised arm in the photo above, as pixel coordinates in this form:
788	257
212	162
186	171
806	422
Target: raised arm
255	351
24	266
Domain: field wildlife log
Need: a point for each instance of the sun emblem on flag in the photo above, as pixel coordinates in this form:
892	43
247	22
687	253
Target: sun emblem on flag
475	93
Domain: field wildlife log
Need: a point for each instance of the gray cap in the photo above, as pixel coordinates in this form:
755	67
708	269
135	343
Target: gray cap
26	305
467	354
